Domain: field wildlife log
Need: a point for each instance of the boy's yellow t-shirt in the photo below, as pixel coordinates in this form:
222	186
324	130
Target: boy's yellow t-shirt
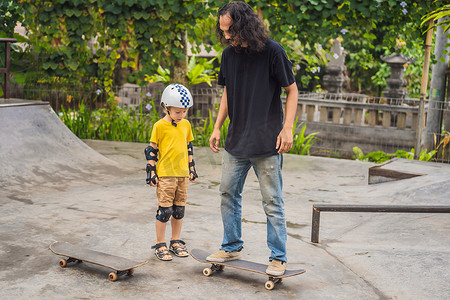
172	144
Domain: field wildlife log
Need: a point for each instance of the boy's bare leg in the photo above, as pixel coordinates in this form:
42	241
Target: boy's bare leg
161	235
176	230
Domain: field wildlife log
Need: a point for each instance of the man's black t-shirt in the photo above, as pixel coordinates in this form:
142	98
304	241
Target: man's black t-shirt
253	82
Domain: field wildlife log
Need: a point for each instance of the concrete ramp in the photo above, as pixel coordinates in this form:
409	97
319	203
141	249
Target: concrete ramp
37	149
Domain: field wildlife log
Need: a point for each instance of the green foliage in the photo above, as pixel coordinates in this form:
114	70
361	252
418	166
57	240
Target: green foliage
107	42
162	75
307	63
203	133
444	142
302	144
200	72
197	72
90	40
59	32
412	73
380	156
153	29
376	157
79	122
204	31
379	79
368	28
10	13
112	123
133	125
127	125
440	13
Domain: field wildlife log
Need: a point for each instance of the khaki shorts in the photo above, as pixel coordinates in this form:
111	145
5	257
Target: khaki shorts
172	191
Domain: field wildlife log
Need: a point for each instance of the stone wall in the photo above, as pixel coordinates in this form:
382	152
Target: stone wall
344	121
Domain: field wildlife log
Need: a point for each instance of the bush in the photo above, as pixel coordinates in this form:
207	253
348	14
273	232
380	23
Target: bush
380	156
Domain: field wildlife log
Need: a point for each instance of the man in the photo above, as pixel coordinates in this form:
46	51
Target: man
253	70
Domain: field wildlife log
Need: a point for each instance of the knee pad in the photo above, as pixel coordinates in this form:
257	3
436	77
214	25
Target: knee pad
163	214
178	212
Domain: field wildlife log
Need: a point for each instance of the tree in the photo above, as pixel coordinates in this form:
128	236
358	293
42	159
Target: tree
10	14
368	28
133	37
441	18
128	34
441	15
58	33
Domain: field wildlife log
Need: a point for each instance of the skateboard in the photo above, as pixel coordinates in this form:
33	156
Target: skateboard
201	255
74	253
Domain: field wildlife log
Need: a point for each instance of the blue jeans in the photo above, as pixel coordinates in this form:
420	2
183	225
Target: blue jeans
268	171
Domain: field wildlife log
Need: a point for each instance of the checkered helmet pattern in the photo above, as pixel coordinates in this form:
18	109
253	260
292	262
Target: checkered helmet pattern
177	95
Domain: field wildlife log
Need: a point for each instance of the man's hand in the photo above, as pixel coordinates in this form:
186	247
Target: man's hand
214	140
284	140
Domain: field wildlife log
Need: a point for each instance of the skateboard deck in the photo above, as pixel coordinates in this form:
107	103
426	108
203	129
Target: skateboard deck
75	253
201	255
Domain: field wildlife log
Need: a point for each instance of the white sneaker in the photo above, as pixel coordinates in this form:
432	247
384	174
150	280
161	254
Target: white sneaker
223	256
276	268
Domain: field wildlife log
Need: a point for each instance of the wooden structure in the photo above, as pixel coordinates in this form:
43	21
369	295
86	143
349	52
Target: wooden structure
5	70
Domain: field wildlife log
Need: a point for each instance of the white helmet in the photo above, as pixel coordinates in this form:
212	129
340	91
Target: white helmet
176	95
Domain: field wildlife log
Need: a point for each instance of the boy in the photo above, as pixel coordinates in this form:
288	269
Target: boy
170	170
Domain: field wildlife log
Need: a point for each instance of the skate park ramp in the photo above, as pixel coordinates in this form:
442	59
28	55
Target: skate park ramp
37	150
56	187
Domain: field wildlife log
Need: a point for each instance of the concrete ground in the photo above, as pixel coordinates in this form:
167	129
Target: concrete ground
102	202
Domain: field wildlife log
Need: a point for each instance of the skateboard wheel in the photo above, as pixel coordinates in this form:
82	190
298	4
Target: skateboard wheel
207	272
112	276
130	272
62	263
269	285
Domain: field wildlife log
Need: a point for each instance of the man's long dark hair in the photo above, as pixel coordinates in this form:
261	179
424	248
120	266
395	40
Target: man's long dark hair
247	27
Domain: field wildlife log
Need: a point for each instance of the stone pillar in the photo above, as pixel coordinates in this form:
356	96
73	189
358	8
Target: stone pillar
334	79
396	82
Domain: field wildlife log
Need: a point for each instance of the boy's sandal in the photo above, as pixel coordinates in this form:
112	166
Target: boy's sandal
177	248
162	253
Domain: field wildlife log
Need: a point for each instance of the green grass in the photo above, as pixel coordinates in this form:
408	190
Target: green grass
203	133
